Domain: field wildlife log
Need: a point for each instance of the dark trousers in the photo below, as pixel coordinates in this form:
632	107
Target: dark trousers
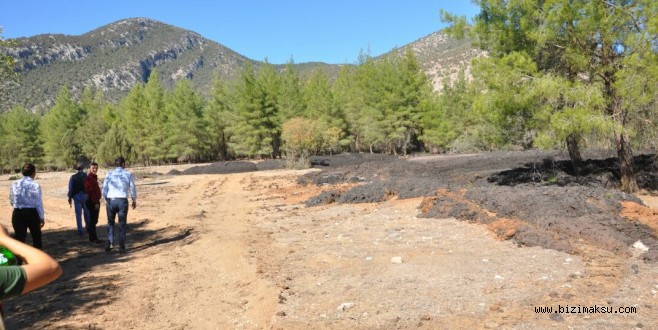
93	219
24	219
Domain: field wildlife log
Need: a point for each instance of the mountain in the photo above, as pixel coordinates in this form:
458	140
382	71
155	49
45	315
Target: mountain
117	56
442	57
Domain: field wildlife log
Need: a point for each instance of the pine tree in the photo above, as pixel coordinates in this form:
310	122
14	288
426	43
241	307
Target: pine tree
369	122
94	126
58	131
270	83
345	93
291	103
20	142
322	108
448	117
409	93
256	132
185	126
155	120
219	114
131	124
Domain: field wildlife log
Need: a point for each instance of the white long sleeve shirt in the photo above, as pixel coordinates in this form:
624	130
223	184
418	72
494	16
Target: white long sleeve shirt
119	183
25	193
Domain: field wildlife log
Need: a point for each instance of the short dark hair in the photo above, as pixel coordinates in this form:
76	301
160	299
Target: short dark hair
79	166
28	169
120	161
93	164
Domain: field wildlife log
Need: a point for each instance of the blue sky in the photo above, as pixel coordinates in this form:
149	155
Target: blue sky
325	31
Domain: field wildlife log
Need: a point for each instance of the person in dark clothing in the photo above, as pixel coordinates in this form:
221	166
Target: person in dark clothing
25	197
78	195
93	201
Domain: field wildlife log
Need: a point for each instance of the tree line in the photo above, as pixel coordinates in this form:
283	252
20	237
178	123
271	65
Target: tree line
374	106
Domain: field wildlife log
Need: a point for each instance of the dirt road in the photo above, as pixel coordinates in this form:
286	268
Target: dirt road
241	251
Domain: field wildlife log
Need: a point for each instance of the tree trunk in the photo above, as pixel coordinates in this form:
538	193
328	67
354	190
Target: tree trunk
574	154
622	141
625	154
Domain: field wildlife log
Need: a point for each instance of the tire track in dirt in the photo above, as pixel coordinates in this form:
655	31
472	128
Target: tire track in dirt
219	287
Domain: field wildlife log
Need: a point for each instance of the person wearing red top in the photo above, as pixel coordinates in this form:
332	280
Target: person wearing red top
93	201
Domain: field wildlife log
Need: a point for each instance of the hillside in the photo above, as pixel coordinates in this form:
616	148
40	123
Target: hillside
116	56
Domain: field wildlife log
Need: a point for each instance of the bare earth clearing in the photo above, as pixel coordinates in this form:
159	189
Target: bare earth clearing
367	243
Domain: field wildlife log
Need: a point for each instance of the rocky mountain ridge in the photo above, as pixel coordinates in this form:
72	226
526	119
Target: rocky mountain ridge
117	56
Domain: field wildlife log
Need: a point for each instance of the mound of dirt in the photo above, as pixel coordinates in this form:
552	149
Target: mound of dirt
222	168
531	197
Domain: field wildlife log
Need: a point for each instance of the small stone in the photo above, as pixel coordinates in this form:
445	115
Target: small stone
396	260
498	277
640	246
345	306
635	268
281	313
557	317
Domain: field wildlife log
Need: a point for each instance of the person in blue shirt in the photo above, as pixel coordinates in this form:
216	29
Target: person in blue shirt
78	195
118	186
25	197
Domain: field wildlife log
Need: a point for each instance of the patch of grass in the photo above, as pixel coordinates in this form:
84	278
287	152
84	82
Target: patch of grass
551	180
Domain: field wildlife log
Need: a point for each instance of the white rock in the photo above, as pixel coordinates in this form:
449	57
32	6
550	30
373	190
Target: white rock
498	277
396	260
345	306
640	246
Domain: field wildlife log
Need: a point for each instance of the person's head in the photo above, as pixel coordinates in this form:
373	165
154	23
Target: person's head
29	170
120	162
79	166
93	168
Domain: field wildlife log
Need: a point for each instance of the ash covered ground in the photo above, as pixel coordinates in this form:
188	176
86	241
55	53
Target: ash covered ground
530	197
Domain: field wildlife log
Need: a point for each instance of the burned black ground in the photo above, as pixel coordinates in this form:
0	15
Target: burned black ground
531	197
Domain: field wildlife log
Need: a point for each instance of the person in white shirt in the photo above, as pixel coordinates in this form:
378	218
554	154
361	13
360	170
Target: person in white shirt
118	186
25	197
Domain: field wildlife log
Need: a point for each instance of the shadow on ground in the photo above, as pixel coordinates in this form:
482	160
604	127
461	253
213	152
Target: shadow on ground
84	287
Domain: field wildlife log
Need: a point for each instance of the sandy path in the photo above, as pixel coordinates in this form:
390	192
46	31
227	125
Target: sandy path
189	285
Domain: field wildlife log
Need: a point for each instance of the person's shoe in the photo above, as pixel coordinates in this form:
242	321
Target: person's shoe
122	249
109	247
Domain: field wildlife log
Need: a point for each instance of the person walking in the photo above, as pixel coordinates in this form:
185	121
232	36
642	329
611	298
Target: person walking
93	201
25	197
37	270
118	185
78	195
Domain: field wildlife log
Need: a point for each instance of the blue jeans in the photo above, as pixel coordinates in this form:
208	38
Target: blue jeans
79	202
116	206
